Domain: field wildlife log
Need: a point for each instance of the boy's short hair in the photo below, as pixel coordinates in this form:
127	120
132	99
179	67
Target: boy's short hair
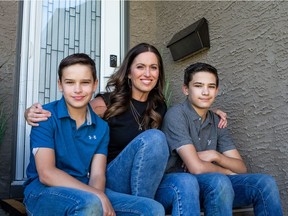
77	58
199	67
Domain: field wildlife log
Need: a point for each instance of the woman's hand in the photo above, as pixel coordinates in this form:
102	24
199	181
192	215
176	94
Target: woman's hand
35	114
223	118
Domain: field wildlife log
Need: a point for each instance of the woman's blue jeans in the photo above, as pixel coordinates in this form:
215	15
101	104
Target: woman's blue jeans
133	177
130	205
218	194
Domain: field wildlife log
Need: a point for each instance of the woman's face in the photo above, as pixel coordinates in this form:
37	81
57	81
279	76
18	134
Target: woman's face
144	74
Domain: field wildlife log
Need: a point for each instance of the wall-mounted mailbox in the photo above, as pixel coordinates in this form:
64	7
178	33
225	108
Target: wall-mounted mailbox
190	40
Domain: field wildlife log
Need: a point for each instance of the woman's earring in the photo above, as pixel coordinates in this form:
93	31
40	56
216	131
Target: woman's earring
129	83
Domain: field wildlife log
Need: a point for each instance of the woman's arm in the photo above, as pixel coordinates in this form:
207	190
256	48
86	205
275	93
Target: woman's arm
99	106
35	114
223	118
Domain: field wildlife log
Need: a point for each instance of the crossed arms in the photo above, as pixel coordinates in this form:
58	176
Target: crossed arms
230	162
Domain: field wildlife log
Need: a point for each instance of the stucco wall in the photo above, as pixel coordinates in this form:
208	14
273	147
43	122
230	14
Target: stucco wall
8	20
249	43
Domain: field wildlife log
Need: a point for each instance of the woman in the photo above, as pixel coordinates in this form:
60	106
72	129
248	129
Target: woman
134	109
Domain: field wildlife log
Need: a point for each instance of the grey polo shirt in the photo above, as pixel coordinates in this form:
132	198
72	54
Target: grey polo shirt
182	126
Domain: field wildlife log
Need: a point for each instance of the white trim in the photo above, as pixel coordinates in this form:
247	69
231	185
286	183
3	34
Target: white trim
22	93
123	30
29	78
110	38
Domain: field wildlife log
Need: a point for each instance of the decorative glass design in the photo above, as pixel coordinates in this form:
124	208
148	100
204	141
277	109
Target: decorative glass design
67	27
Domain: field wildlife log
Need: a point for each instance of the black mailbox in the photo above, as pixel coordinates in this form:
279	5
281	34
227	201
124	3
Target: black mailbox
190	40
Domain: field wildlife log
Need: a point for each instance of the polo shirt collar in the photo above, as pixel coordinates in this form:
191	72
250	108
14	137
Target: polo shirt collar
89	118
195	115
62	112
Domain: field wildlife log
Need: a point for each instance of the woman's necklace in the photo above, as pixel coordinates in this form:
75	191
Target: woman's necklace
136	116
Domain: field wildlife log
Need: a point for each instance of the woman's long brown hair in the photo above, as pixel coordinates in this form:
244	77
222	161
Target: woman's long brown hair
121	92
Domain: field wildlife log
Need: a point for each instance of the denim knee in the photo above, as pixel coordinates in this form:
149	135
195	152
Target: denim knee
265	180
62	201
153	208
91	206
179	194
219	185
268	197
185	183
156	140
222	184
267	186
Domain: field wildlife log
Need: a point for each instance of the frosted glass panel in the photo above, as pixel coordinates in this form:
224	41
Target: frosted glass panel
67	27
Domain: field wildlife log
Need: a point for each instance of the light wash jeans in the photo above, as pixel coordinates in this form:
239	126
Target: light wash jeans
130	205
133	177
60	201
57	201
179	192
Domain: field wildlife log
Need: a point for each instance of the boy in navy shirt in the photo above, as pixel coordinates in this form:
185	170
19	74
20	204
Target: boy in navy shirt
66	173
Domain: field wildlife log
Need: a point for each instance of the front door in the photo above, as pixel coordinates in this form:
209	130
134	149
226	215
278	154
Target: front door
52	30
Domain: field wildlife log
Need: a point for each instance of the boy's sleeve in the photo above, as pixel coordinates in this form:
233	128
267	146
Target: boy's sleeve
103	145
224	140
42	135
176	128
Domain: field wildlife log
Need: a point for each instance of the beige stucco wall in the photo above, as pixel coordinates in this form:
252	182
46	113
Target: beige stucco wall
249	42
8	33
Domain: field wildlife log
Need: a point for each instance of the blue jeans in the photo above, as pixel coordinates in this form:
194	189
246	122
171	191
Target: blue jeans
57	201
179	194
43	201
130	205
219	194
139	168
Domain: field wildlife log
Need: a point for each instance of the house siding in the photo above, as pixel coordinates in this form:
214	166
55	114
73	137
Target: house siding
249	43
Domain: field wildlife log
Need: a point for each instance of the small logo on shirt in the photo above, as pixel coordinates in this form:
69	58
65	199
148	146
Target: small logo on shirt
92	137
209	142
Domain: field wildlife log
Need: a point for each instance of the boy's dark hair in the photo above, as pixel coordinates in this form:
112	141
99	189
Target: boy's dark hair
77	58
199	67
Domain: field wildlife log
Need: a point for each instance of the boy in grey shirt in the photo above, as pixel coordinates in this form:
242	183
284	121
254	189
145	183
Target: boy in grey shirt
217	173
